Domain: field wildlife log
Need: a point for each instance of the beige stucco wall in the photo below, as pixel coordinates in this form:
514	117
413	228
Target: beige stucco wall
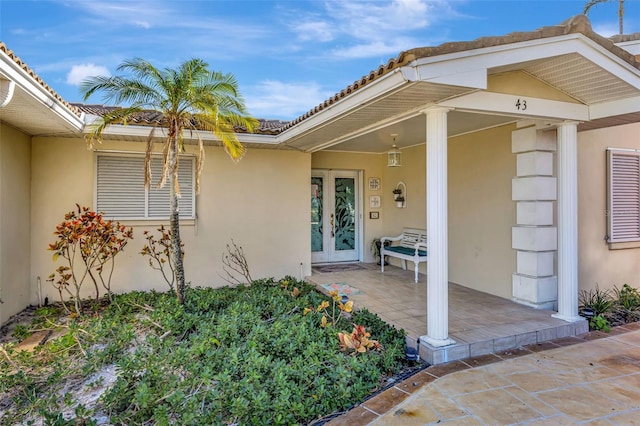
597	263
15	175
413	214
261	203
481	212
522	84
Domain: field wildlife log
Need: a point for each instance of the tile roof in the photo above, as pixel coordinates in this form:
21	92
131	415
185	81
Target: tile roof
577	24
36	78
152	118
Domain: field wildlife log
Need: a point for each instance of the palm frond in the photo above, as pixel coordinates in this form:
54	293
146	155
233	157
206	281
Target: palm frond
190	97
147	160
588	5
114	116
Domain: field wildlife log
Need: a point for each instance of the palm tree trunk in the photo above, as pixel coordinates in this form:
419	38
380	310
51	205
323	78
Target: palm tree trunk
174	222
621	15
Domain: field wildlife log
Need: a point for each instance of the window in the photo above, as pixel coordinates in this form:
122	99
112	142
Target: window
623	213
120	191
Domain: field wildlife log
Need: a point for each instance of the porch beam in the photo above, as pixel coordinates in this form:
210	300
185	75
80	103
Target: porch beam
518	106
437	230
613	108
567	138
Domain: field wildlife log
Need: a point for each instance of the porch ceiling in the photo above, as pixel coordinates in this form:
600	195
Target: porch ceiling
359	129
581	79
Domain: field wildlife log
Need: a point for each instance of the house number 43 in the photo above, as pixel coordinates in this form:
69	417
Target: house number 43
521	104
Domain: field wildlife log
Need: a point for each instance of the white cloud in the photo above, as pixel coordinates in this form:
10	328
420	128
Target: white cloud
286	101
314	30
606	29
370	28
142	24
80	72
378	48
375	20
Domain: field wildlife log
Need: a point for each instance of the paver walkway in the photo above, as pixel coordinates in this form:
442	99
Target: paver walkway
590	379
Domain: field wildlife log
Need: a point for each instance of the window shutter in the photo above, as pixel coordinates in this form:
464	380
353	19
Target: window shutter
624	197
120	191
159	197
120	186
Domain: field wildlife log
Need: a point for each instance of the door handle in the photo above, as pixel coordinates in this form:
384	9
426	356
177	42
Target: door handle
333	234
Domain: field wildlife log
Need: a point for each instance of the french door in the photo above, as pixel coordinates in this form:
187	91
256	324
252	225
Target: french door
335	216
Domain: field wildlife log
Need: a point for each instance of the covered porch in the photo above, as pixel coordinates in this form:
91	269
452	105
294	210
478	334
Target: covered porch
488	132
479	323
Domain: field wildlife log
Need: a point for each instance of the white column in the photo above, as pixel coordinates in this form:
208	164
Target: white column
437	230
568	222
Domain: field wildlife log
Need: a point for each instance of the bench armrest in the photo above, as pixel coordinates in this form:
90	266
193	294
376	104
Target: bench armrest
383	239
420	245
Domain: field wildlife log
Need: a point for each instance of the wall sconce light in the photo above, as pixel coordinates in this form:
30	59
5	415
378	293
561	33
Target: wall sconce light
394	156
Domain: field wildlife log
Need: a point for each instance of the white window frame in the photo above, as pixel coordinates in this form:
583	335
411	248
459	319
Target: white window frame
623	195
147	216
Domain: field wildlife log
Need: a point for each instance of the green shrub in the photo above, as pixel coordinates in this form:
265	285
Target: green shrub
599	322
627	297
598	300
244	355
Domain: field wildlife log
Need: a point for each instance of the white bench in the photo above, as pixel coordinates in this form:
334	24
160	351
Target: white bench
413	246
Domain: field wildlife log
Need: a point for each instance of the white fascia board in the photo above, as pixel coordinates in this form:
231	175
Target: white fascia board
619	107
632	47
353	102
131	131
11	70
160	132
518	106
476	79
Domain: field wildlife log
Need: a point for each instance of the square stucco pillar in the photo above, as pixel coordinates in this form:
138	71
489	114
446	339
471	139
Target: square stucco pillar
534	236
437	226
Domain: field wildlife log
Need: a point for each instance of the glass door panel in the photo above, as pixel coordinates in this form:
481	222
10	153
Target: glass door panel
345	214
317	213
334	216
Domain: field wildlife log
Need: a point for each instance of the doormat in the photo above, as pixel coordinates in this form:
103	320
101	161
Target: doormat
337	268
344	289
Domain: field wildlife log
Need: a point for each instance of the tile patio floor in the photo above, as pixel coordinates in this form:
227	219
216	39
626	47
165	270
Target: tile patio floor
479	323
591	379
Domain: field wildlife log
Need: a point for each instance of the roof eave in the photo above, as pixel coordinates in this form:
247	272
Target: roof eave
335	111
136	132
12	71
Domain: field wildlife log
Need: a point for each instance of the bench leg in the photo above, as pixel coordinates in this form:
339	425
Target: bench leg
404	264
416	269
381	262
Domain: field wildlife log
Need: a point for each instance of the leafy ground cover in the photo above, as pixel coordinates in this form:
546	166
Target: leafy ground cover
241	355
608	308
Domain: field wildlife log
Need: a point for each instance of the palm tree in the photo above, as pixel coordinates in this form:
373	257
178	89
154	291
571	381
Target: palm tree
592	3
190	98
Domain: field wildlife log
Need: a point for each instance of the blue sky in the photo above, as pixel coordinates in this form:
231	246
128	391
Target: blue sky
287	56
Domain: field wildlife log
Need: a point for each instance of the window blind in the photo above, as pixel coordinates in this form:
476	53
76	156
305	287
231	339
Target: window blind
120	191
624	196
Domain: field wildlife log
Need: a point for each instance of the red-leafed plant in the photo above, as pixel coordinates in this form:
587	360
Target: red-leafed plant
88	243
